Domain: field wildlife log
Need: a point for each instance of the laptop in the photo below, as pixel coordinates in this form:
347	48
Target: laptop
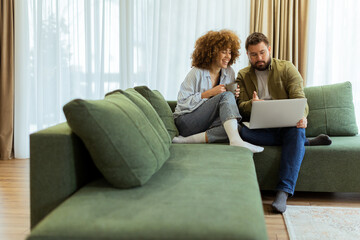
276	113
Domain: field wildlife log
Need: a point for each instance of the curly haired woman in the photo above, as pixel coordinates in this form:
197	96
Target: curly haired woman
205	111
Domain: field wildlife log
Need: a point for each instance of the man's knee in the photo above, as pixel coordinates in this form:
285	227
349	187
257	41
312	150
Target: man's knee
296	132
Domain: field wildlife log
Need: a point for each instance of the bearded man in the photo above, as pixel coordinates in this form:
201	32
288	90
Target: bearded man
268	79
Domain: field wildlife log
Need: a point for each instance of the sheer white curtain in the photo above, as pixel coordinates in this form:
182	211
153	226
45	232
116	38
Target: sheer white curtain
84	48
334	45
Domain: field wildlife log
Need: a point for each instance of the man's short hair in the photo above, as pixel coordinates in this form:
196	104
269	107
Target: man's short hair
256	38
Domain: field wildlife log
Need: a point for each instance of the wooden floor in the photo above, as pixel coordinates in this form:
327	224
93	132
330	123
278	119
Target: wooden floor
15	213
14	199
275	222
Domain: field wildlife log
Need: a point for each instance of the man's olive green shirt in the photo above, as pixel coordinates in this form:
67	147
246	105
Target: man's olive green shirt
284	82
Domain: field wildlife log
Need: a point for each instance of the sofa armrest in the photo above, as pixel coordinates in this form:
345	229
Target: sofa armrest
59	165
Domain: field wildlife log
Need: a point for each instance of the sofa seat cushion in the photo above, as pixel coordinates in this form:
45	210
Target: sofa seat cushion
124	145
203	191
333	168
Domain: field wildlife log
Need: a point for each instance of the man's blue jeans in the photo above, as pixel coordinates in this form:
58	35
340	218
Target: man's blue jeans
292	140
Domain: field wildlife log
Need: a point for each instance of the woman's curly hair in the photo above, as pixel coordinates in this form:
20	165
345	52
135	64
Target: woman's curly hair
209	45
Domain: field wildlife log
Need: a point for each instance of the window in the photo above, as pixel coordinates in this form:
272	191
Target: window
86	48
333	45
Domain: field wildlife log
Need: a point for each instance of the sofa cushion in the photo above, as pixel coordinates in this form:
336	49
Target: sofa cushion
333	168
204	191
149	112
162	108
122	142
331	110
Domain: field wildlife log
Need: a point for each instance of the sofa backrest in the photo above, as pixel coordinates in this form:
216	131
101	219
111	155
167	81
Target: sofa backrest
331	110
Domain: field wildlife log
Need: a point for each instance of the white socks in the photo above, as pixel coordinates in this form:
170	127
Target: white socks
231	129
196	138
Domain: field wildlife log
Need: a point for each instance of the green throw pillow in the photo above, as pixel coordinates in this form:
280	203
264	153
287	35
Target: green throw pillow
331	110
161	107
148	110
122	142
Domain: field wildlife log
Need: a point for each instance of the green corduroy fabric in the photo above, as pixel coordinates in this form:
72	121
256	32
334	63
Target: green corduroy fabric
333	168
172	105
202	192
122	142
331	110
162	108
149	112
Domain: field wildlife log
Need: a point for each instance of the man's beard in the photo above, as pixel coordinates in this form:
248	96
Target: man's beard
265	67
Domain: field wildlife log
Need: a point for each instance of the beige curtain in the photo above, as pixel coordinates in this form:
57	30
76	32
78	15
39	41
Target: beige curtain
6	78
285	23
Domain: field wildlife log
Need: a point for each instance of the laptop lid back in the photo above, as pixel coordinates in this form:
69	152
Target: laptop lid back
277	113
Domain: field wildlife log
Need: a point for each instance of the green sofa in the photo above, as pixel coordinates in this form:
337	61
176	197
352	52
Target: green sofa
183	191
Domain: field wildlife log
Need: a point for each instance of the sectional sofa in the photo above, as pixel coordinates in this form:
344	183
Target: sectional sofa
111	172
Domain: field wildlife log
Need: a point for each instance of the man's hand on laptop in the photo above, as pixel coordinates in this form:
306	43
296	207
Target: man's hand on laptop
255	97
302	123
